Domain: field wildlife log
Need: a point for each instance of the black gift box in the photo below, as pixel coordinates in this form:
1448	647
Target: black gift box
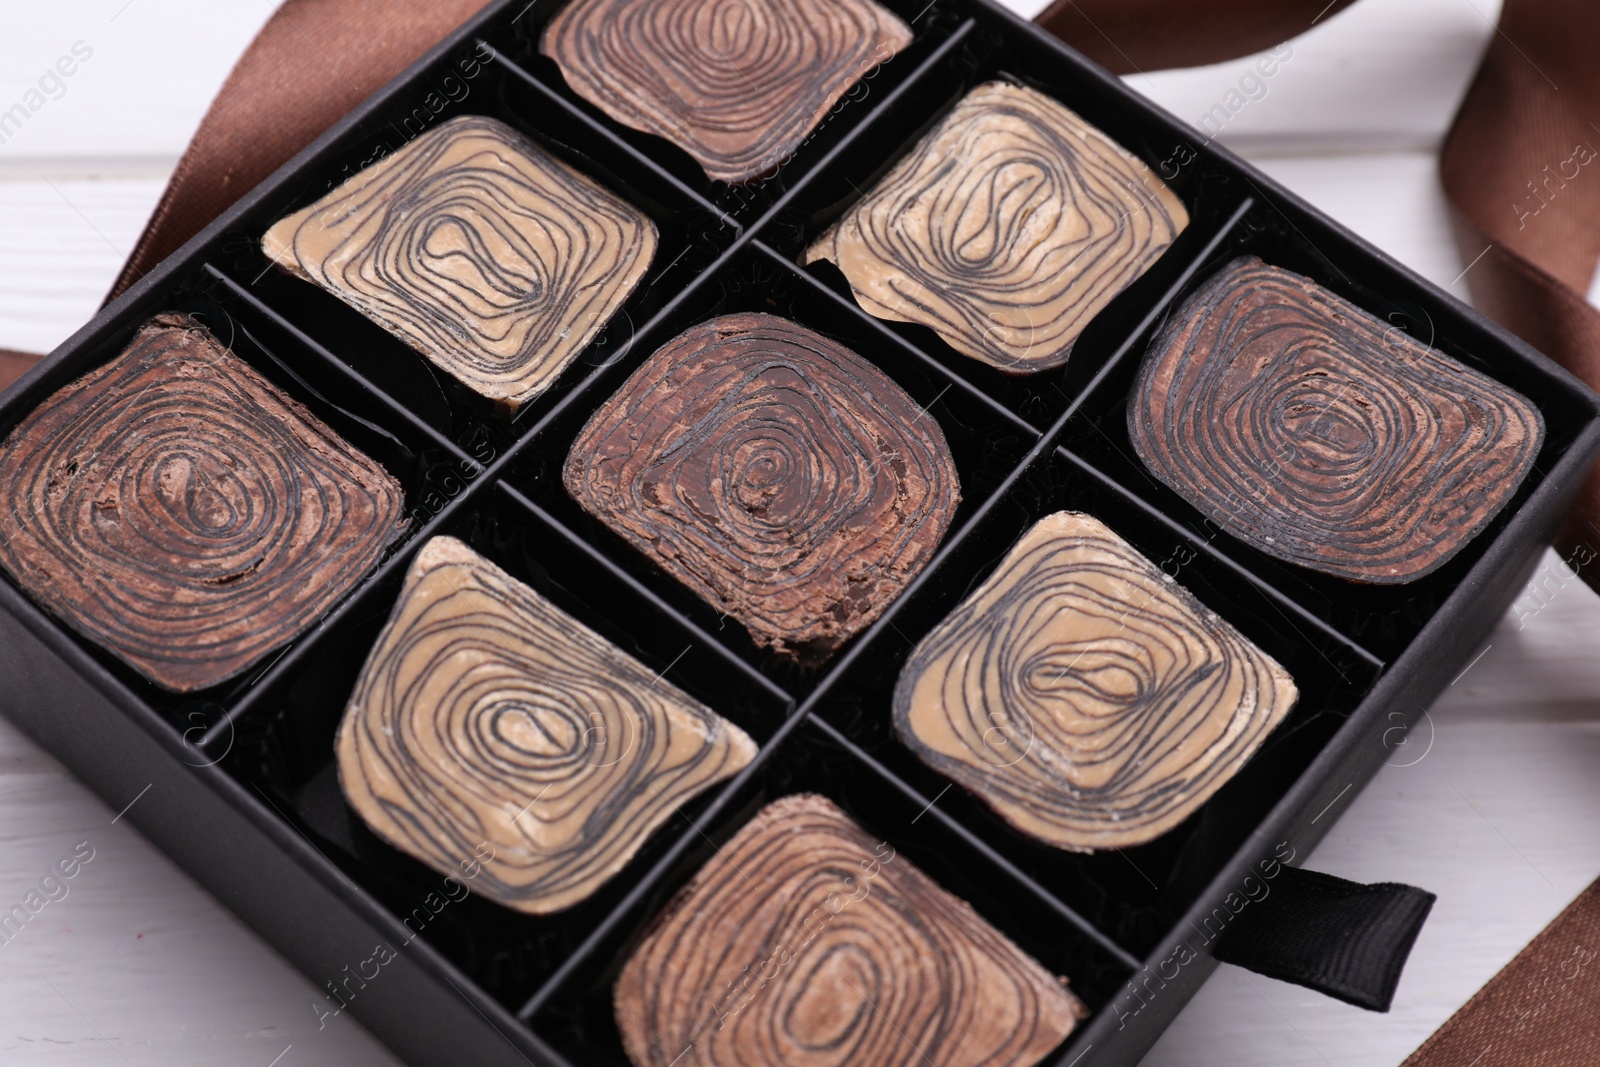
238	784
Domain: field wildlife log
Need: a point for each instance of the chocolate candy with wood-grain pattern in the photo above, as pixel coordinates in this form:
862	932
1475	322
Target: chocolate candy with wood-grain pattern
1084	695
738	84
495	260
493	733
1006	230
181	511
1322	435
776	473
804	942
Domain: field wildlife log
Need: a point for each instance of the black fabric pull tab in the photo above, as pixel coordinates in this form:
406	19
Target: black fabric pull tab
1347	940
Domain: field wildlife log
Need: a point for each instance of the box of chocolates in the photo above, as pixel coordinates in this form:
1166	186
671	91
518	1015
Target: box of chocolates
790	532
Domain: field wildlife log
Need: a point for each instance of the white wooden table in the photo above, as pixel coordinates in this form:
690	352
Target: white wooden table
1492	805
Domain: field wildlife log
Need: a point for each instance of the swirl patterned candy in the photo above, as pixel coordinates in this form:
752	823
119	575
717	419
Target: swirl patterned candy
738	84
179	510
804	943
777	474
488	723
1086	697
489	256
1006	230
1322	435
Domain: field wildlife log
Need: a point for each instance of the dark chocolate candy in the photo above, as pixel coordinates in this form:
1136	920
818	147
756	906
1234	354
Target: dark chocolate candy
1322	435
806	943
178	509
777	474
1084	695
491	731
738	86
1006	230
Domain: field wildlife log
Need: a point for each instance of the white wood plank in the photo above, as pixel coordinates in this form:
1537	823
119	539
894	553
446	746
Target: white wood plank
62	241
151	70
135	963
1026	8
1540	663
1383	74
1393	199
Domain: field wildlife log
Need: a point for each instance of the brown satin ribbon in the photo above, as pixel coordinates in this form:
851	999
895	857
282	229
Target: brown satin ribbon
1522	170
1541	1010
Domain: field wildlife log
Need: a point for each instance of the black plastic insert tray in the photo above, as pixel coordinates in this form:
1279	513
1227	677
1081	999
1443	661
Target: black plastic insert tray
241	785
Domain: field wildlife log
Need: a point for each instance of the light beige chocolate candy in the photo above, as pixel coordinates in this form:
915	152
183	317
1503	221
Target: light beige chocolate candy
1086	696
1006	230
490	729
489	256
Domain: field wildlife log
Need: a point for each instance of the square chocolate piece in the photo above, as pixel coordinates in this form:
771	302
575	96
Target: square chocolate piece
1322	435
1006	230
807	943
739	86
178	509
491	731
495	260
1084	695
777	474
